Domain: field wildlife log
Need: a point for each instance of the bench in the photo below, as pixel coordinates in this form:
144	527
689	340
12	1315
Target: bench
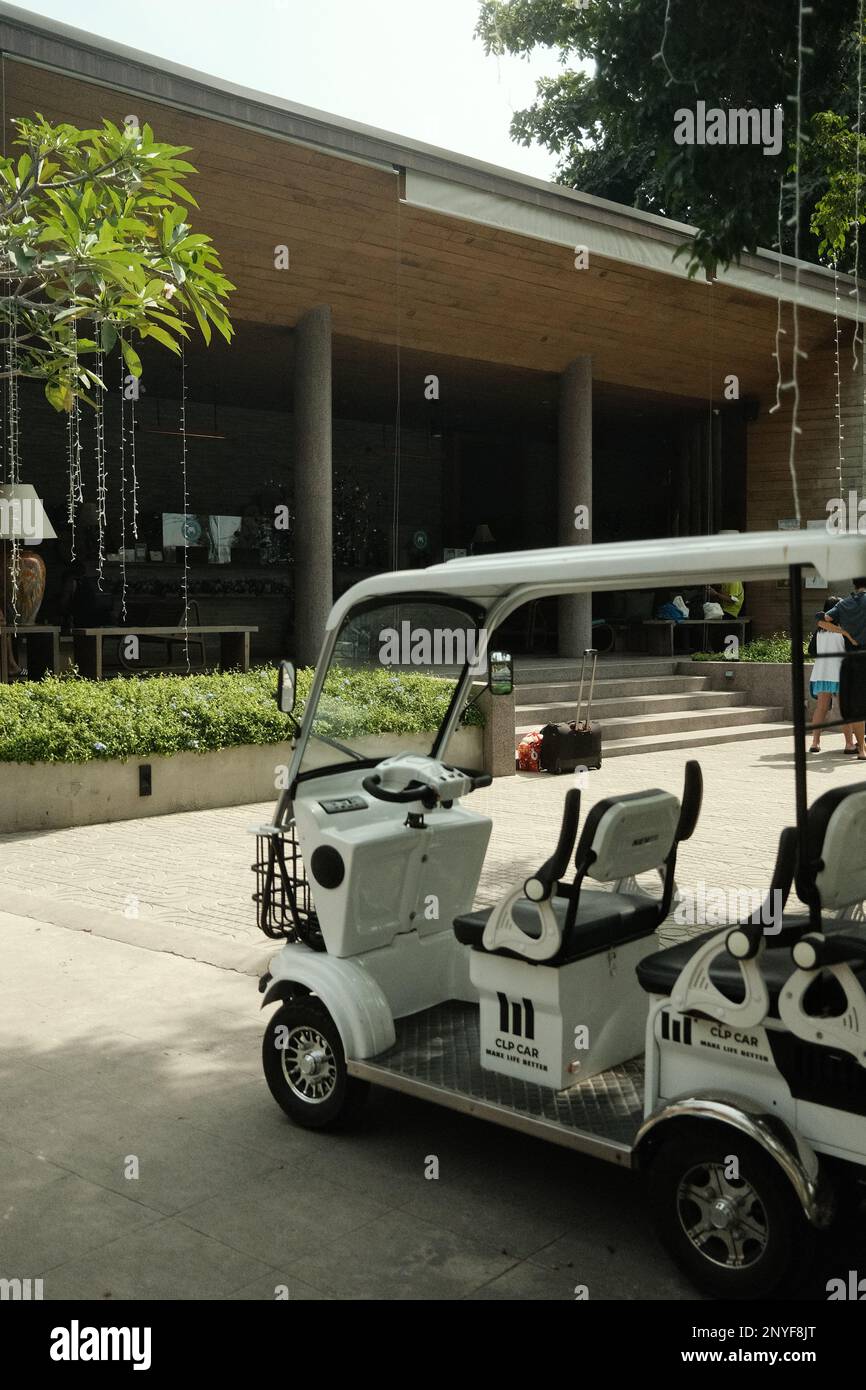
234	643
43	649
157	613
663	630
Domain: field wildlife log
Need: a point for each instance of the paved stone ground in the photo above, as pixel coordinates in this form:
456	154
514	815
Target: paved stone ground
110	1053
139	1035
183	882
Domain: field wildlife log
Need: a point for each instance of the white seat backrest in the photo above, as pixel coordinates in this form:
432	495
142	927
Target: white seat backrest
842	880
633	834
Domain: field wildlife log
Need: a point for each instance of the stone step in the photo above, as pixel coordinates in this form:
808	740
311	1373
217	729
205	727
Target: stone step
604	710
535	671
687	741
647	727
557	691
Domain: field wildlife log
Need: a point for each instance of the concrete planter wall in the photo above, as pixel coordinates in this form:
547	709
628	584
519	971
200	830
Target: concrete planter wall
764	682
52	796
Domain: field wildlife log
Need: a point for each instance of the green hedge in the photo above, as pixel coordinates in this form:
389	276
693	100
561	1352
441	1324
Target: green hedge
70	720
776	649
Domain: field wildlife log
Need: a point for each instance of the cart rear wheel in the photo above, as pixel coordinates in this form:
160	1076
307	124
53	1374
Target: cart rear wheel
728	1215
305	1067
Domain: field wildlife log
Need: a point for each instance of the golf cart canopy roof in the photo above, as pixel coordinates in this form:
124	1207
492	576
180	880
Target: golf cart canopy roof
656	564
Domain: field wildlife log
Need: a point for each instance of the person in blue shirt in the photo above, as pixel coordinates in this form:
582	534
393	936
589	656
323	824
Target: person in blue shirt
848	617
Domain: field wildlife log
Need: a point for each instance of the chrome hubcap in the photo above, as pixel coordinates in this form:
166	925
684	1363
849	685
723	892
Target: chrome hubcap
724	1218
308	1065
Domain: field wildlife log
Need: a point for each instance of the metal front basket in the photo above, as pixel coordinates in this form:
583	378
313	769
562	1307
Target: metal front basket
284	906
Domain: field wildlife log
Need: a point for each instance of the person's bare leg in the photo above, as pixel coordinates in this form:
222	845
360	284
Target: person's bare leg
859	731
850	740
822	706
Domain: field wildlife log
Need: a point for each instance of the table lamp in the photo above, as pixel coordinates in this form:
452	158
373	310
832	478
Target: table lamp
483	540
23	519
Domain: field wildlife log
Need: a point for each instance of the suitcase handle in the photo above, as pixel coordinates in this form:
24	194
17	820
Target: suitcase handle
589	651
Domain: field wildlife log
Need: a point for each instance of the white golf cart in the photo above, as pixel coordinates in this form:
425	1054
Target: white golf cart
730	1067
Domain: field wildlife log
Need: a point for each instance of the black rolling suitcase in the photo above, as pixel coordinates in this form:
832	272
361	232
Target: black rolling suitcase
565	747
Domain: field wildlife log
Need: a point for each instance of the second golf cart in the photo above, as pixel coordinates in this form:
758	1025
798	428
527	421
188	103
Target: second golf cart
730	1068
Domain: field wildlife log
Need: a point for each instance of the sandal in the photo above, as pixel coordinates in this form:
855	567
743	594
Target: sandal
849	752
813	749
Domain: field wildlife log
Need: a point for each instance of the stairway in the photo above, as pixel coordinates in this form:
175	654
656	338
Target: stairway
643	704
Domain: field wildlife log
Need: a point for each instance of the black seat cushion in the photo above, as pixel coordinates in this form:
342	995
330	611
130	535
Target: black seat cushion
658	973
603	920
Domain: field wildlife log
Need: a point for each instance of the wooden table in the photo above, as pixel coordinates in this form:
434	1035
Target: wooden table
87	644
43	649
660	624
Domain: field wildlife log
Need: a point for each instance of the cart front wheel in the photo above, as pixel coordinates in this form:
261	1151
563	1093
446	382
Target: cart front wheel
305	1067
728	1215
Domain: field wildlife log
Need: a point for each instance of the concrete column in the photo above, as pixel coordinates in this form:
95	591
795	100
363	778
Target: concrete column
498	742
313	538
575	490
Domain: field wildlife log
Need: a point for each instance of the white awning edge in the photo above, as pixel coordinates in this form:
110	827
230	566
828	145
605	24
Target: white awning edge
749	556
618	243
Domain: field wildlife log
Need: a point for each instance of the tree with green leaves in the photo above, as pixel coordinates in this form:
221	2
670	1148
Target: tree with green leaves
613	127
95	249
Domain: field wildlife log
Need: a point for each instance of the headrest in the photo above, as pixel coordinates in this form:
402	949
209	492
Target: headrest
628	834
833	829
842	879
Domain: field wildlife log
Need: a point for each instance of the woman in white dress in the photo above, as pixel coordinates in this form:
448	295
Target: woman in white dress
824	683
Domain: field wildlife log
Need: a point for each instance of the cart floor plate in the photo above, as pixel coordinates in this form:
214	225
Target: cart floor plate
436	1056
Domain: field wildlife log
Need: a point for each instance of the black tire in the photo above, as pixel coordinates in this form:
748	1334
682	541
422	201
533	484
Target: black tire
767	1246
325	1097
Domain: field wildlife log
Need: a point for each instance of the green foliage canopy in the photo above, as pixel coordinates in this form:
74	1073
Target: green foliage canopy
93	227
613	129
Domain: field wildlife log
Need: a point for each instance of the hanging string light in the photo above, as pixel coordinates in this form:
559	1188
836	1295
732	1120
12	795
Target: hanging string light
99	443
132	466
838	374
70	469
661	56
857	339
780	331
122	483
793	384
73	452
858	335
185	504
398	402
13	448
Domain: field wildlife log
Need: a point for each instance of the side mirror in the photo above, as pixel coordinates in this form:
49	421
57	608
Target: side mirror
286	687
501	678
852	688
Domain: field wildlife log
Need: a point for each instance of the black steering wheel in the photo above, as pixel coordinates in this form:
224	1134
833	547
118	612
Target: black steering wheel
417	791
413	791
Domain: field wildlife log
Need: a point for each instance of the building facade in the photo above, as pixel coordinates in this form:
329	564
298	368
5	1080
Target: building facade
432	355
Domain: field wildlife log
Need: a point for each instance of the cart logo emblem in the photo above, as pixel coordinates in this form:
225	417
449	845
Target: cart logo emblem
520	1016
676	1029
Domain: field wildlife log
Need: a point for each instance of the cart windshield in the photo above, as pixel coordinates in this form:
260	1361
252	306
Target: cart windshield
391	679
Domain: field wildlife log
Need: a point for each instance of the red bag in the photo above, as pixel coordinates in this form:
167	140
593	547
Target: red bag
528	751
